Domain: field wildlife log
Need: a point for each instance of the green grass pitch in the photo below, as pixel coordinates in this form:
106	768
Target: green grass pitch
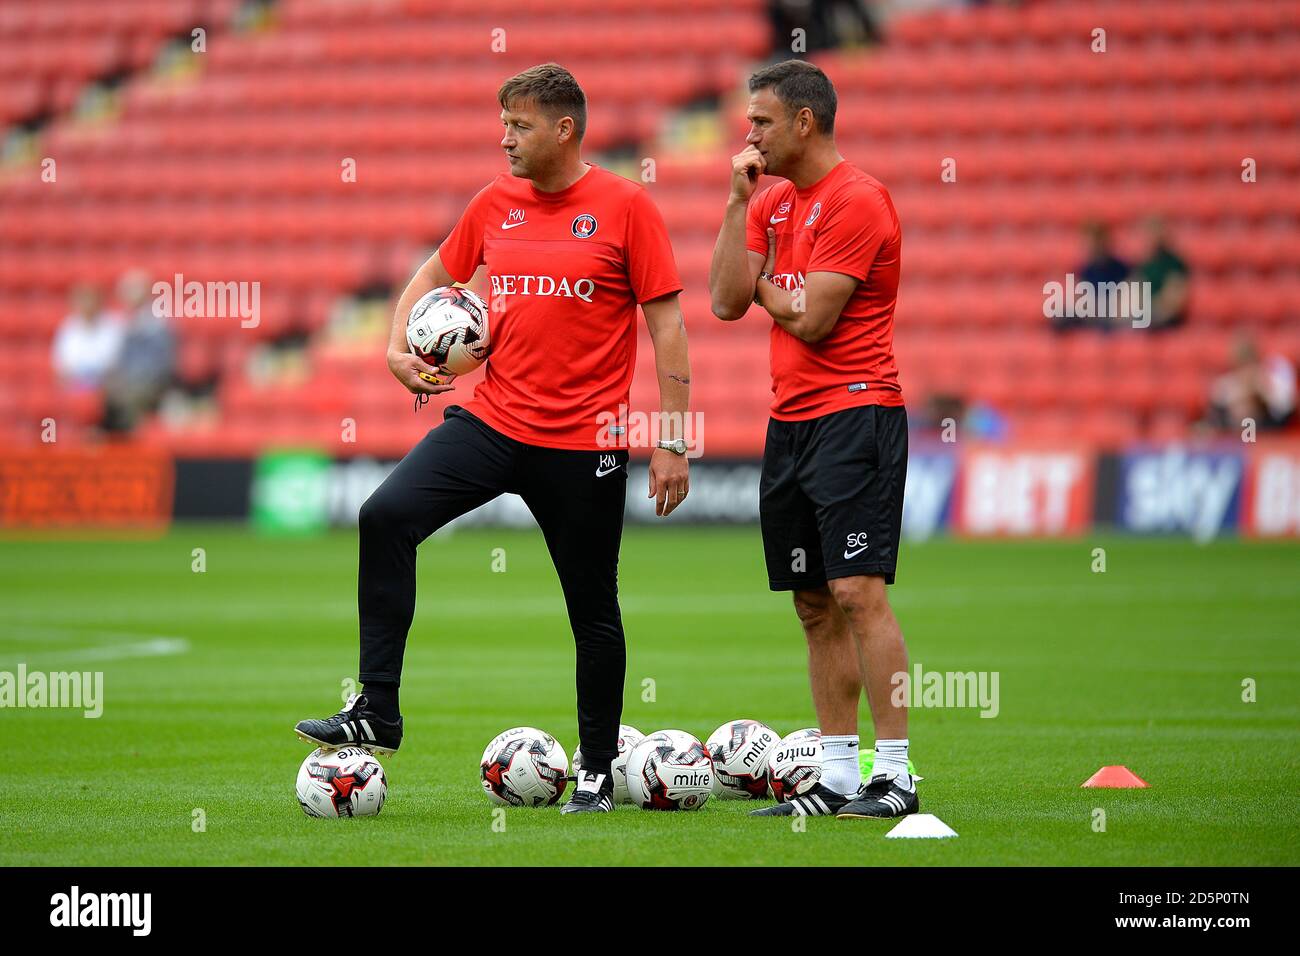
1142	665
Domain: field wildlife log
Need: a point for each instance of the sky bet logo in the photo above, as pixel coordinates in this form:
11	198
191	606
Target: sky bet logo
1176	490
75	909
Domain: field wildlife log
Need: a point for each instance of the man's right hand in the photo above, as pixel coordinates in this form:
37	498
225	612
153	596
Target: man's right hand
746	167
406	368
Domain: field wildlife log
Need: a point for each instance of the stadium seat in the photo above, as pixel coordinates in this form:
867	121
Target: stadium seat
203	175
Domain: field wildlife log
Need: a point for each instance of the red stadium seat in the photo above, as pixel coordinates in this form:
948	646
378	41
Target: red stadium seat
236	173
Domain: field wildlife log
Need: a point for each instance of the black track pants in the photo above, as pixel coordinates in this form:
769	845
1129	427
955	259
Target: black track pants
577	498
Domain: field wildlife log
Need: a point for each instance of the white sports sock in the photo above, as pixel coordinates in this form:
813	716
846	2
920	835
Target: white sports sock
840	769
891	760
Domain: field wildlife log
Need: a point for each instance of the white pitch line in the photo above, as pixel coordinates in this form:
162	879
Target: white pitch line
16	633
134	645
159	647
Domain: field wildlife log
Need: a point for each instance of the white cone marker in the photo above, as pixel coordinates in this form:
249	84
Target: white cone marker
920	826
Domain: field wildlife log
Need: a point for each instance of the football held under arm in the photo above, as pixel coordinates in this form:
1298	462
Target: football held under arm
460	254
431	275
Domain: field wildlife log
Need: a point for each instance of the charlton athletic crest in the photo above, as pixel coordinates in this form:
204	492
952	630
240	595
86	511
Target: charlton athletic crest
584	226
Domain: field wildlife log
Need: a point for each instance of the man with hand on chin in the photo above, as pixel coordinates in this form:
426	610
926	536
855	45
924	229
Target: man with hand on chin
820	253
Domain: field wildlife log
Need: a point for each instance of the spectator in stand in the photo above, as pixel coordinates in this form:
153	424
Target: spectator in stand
146	362
1168	274
974	420
87	342
826	23
1256	388
1101	266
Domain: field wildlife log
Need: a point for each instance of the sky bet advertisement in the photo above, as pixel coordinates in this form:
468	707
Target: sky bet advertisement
1252	490
977	491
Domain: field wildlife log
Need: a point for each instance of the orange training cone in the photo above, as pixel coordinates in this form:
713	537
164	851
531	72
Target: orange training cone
1115	777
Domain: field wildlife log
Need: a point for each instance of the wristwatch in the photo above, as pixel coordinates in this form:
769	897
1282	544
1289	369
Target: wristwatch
677	446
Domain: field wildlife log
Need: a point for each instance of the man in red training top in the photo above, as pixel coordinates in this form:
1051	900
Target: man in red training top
820	252
571	250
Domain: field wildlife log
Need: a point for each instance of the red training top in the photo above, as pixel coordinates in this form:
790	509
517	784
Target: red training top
843	223
567	271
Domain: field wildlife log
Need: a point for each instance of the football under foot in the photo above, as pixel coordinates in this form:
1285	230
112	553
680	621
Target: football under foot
356	725
881	799
593	794
820	801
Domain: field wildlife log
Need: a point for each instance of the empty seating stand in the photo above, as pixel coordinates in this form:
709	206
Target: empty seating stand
233	171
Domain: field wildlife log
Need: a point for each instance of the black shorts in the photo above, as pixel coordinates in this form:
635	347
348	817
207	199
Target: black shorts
831	496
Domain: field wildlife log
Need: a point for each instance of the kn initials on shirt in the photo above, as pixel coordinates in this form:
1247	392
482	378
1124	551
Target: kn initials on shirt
843	223
566	272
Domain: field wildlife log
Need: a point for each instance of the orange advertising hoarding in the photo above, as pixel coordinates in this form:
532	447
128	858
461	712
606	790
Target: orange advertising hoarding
88	488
